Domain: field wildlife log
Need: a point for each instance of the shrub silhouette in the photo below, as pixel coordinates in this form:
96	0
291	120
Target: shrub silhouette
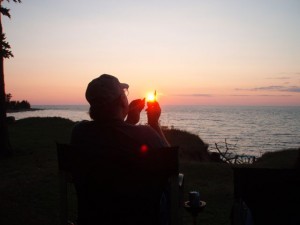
191	146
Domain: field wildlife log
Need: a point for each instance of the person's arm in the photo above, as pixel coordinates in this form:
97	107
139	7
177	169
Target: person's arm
153	114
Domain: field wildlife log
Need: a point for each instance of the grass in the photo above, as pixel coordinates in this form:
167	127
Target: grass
214	181
29	180
29	186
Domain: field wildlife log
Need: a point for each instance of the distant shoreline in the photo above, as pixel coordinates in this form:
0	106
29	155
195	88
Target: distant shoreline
22	110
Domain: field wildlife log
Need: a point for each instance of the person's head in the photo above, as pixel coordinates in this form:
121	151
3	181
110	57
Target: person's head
107	98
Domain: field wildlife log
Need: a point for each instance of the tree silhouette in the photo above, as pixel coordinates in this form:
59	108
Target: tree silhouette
5	147
15	105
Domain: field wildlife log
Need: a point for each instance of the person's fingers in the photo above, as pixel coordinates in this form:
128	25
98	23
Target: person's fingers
137	104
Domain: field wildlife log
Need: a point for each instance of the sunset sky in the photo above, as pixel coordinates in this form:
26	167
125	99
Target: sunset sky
207	52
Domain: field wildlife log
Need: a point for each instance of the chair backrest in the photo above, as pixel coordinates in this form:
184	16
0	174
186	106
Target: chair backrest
272	195
119	188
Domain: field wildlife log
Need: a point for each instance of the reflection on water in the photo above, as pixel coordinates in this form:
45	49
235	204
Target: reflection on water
253	129
74	115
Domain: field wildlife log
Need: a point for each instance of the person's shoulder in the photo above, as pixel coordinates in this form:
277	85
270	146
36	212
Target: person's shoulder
137	129
147	131
151	135
145	128
143	134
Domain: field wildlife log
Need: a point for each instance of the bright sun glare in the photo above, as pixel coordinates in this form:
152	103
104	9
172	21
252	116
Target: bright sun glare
151	97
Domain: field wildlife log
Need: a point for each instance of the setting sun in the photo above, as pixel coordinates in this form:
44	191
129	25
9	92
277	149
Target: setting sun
151	97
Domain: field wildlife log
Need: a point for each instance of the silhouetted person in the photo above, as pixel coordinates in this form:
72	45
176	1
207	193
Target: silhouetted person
110	134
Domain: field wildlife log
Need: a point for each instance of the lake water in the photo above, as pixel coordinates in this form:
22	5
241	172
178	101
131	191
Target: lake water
250	130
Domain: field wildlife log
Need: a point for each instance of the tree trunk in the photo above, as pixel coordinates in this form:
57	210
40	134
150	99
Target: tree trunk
5	147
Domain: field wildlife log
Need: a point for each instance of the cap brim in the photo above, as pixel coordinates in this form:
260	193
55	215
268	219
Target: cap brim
123	85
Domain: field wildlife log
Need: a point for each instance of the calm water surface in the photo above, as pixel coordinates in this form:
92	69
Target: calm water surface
249	130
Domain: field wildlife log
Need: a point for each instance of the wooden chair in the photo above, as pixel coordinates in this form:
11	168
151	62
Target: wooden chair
268	196
120	187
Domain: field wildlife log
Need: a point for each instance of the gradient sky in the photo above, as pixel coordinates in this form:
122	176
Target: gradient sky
207	52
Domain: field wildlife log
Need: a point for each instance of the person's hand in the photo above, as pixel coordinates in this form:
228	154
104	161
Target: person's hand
135	108
153	113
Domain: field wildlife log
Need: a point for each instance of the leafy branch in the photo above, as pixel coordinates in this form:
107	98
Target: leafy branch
5	50
5	46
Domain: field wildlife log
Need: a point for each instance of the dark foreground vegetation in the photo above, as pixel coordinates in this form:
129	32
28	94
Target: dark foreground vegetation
29	180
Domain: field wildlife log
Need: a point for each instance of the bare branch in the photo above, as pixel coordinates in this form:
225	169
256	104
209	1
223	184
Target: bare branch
17	1
230	157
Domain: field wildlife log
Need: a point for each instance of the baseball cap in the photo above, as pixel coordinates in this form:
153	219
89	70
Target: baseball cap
104	89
